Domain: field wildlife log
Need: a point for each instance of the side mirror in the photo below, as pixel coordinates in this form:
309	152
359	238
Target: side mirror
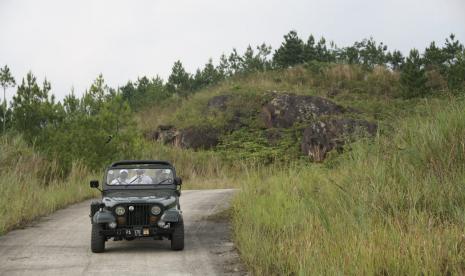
178	181
94	184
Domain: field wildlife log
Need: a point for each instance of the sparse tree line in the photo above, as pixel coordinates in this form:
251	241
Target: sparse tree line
101	119
437	68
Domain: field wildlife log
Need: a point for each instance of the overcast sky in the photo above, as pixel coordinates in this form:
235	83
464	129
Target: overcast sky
71	42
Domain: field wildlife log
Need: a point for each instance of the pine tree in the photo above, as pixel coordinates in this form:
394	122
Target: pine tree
309	50
6	80
413	78
291	51
33	108
395	59
179	82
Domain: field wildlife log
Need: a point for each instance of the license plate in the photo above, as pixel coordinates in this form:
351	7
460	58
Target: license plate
138	232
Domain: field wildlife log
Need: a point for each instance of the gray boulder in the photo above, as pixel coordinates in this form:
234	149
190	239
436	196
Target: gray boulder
197	138
323	136
283	110
164	133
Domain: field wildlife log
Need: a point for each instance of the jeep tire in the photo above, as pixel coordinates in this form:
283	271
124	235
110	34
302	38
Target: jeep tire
97	240
177	238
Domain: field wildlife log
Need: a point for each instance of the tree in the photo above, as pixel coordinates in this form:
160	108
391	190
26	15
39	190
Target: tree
33	109
456	74
6	80
224	68
412	77
434	58
309	50
322	52
235	62
395	59
452	49
253	62
96	129
371	53
291	51
179	82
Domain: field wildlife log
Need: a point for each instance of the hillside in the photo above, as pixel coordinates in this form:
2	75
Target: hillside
264	116
390	202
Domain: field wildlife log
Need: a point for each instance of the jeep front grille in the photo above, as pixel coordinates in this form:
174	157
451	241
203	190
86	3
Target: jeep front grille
139	216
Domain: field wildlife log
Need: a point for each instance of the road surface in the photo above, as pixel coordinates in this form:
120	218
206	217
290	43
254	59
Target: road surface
60	245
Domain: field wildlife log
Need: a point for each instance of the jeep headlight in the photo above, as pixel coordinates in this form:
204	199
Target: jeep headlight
120	210
156	210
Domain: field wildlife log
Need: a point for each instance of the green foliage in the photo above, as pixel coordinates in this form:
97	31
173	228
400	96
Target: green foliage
144	91
6	80
261	146
96	129
179	82
32	186
413	77
33	109
394	206
291	51
395	59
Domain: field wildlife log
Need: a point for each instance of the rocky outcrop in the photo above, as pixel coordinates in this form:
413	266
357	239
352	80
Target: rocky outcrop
197	138
188	138
284	110
164	133
323	136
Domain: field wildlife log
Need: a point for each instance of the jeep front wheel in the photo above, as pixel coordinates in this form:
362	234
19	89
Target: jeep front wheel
177	238
97	240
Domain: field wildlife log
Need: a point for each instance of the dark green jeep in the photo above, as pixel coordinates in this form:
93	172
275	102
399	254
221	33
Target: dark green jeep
140	199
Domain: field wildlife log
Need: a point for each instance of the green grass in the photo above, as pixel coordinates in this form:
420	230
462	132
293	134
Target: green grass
392	206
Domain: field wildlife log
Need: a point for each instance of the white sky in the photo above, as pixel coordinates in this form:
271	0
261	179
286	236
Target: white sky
71	42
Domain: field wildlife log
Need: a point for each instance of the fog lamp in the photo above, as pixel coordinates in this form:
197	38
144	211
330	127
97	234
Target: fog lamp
112	225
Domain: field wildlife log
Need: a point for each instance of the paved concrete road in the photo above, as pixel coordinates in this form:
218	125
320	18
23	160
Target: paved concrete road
60	245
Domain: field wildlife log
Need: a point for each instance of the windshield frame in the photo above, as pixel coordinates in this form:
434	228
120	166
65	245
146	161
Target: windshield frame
140	186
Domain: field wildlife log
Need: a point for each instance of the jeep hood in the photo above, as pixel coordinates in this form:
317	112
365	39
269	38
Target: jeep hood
134	197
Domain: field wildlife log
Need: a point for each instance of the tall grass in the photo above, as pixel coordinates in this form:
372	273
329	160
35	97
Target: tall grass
31	186
395	206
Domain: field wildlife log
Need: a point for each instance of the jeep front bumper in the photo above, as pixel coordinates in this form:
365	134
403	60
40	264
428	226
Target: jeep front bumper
134	232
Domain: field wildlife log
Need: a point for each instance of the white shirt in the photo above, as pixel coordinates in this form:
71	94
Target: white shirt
119	181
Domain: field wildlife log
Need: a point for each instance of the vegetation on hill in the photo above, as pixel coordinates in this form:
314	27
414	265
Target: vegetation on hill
392	206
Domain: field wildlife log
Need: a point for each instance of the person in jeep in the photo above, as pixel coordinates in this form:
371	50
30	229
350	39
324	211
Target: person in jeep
122	179
140	178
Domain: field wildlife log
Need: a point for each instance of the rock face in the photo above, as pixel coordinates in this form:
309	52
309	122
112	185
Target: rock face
321	137
197	138
164	133
286	109
188	138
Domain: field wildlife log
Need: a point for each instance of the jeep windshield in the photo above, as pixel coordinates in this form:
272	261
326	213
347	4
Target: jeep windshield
138	176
